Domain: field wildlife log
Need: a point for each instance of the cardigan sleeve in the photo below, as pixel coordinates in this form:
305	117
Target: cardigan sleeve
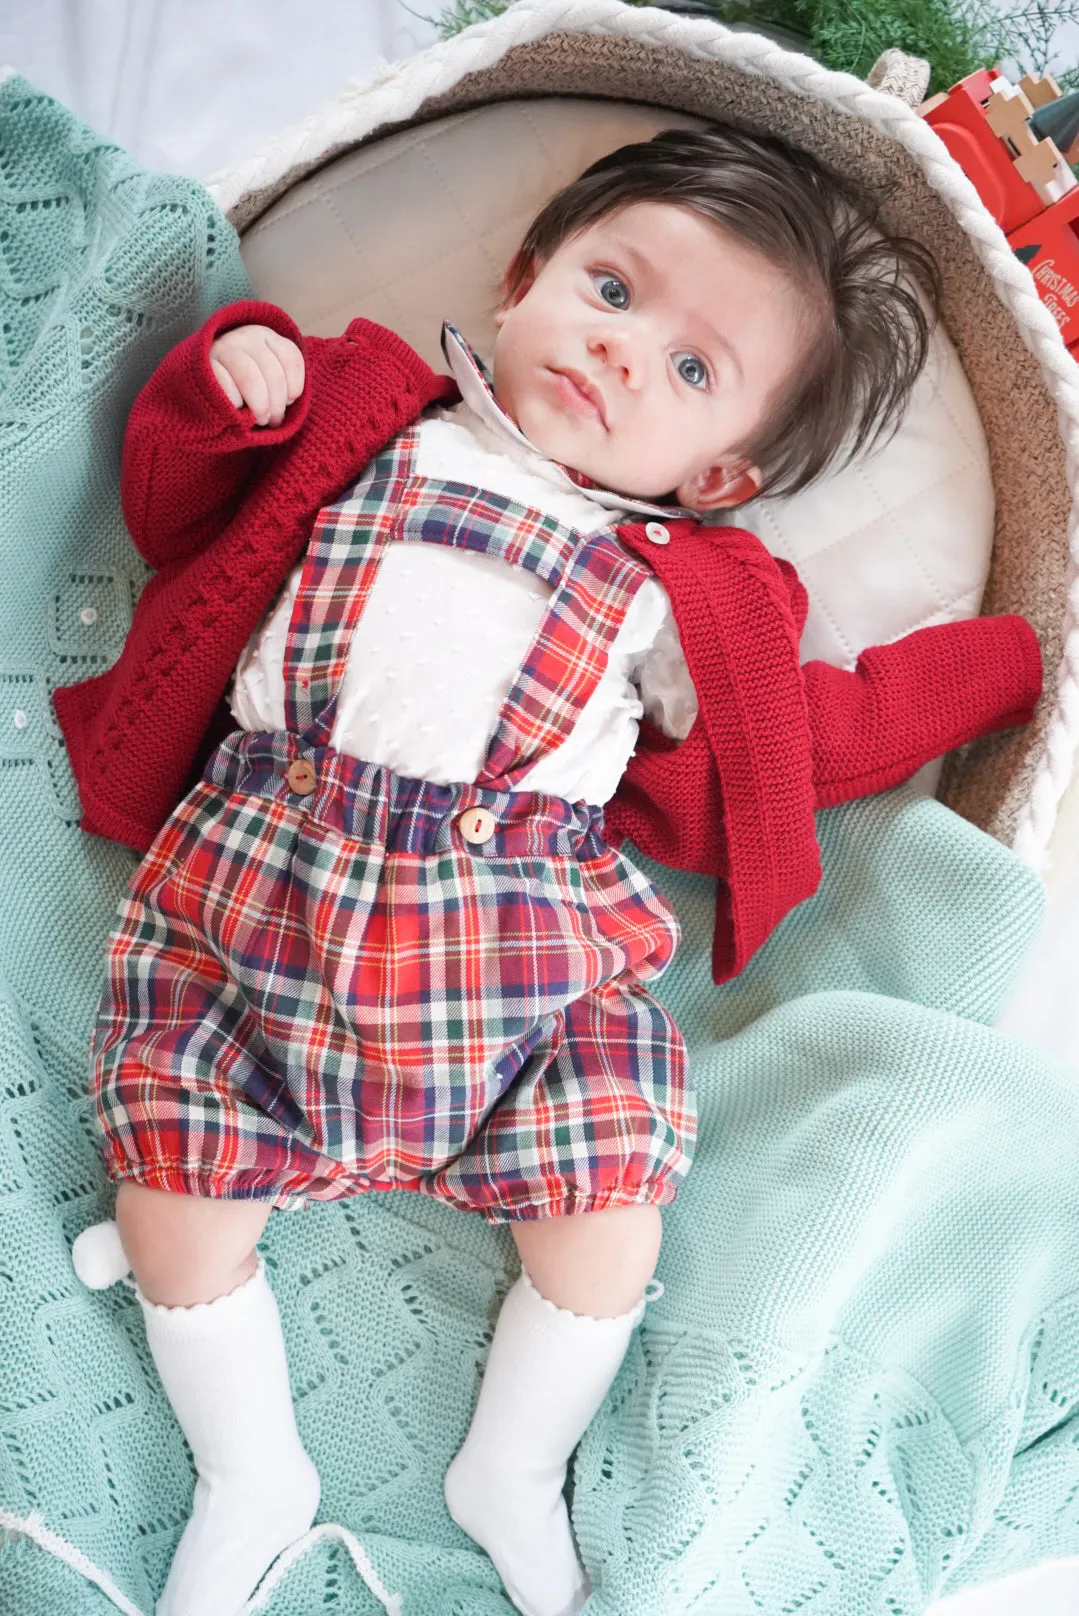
911	701
188	452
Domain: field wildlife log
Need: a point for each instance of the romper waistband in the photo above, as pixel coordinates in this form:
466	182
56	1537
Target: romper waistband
370	803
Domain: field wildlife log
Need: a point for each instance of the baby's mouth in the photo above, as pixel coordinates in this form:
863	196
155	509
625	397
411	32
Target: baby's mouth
580	395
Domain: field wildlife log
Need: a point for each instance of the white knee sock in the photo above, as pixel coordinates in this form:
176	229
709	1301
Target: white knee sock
223	1367
547	1374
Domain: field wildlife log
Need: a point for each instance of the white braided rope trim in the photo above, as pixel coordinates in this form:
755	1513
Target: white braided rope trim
33	1526
399	91
391	1603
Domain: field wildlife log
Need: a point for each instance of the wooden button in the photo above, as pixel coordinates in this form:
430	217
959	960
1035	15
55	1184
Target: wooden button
476	826
657	533
301	777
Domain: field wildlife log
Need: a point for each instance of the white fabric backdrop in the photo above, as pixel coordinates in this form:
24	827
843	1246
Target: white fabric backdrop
189	85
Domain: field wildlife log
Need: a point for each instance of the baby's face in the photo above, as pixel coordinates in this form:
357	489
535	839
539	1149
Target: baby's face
645	350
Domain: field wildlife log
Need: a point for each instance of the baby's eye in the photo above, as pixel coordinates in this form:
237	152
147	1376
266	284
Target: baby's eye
612	290
691	369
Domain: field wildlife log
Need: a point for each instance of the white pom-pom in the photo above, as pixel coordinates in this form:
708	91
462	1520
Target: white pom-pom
99	1257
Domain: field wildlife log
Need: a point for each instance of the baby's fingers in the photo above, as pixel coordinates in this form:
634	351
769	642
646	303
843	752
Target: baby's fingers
273	375
256	367
291	359
231	391
247	373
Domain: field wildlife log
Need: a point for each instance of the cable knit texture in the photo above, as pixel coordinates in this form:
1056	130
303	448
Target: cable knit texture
208	503
860	1386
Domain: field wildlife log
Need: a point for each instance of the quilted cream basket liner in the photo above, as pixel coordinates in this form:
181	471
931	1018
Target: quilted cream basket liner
1025	383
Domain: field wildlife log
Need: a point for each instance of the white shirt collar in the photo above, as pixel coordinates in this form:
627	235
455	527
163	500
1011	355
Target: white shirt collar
470	374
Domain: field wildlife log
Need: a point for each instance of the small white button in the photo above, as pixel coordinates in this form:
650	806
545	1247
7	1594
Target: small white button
657	533
19	718
477	826
88	615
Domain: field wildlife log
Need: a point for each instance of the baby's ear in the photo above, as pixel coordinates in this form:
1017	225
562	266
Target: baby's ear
718	487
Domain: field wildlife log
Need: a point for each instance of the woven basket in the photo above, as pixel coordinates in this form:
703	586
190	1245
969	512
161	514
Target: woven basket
1025	383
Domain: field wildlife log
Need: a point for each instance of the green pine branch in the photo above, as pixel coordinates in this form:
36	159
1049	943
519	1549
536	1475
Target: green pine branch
956	37
1028	29
463	13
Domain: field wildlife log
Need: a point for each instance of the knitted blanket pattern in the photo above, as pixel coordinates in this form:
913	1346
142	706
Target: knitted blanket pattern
859	1387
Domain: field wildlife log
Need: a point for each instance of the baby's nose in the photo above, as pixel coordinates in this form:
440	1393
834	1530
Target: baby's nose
618	350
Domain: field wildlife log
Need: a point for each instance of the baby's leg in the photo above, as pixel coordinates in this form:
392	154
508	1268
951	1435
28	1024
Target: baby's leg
560	1338
597	1264
213	1328
186	1249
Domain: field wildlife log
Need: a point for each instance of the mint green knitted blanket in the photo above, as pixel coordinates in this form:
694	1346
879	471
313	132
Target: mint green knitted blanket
859	1388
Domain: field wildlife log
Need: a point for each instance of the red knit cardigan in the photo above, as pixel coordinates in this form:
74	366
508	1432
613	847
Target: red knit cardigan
223	510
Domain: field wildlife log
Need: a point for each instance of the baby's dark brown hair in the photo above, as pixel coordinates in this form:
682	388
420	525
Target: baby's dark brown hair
867	331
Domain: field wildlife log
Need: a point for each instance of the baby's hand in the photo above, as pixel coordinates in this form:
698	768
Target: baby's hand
258	368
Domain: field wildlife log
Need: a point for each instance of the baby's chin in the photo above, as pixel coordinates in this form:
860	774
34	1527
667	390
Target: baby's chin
567	440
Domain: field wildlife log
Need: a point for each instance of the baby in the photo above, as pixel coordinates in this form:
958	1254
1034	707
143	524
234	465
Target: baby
384	941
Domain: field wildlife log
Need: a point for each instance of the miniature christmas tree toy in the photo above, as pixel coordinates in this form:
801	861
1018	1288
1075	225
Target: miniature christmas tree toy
1058	120
1016	142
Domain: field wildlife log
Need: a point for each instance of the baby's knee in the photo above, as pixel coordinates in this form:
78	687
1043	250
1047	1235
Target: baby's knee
186	1249
594	1263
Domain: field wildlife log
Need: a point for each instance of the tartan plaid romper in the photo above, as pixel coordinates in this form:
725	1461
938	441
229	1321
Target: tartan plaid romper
327	978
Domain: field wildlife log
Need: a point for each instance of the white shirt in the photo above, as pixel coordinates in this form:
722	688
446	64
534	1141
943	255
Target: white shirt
444	632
